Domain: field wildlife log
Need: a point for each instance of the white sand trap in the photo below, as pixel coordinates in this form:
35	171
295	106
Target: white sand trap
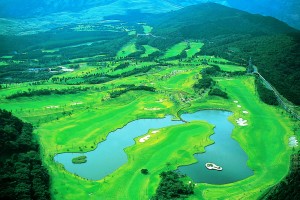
239	106
293	142
76	103
245	112
160	101
143	139
151	108
51	107
156	131
241	122
235	101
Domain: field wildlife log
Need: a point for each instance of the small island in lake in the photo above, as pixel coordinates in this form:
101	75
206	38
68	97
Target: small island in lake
213	166
79	160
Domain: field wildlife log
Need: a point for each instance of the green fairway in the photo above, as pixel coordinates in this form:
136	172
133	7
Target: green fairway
3	63
175	50
195	47
231	68
147	29
148	50
127	50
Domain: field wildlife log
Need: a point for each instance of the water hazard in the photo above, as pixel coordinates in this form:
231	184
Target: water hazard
225	152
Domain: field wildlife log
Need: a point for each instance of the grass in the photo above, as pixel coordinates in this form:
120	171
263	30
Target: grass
128	182
127	50
147	29
231	68
148	50
264	141
195	47
3	63
175	50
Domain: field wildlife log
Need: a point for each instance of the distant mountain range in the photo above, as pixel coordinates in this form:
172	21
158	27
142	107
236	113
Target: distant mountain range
60	12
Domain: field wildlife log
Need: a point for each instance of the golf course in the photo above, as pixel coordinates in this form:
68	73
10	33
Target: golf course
100	123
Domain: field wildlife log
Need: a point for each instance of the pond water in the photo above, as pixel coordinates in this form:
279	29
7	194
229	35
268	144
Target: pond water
225	152
109	154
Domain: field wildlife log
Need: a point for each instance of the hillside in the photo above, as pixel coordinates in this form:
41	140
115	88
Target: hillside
237	35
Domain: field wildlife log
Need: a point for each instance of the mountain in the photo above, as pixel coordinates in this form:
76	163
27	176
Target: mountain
210	20
30	16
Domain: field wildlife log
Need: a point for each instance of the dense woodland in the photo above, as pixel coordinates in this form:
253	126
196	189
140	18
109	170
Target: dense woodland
172	187
265	94
22	174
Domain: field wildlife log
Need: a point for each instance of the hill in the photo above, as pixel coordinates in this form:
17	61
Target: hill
236	35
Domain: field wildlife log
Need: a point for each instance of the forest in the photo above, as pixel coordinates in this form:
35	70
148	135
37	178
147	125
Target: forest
22	174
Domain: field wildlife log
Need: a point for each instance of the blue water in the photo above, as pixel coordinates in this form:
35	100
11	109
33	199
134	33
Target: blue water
109	154
225	152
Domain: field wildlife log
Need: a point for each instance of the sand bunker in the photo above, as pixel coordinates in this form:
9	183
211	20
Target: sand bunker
241	122
293	142
143	139
151	108
239	106
52	107
76	103
156	131
235	101
160	101
245	112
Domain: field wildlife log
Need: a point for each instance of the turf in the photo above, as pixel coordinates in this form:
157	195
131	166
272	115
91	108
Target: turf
127	50
195	47
175	50
148	50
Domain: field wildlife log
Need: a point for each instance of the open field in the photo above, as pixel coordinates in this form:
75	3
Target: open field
78	122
